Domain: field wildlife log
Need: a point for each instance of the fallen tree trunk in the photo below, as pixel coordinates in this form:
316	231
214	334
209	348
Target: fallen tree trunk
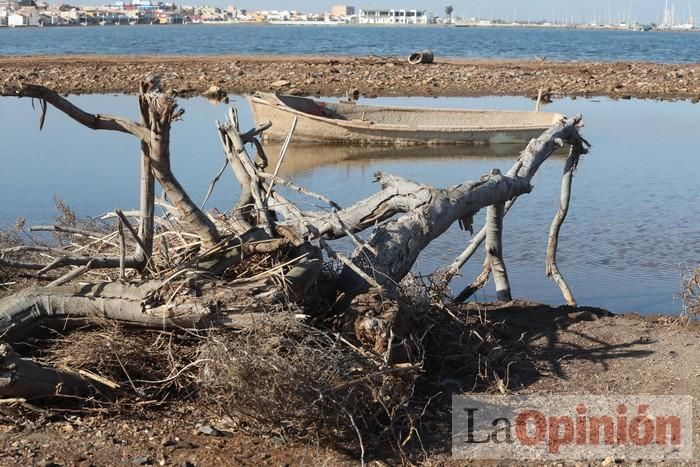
394	246
20	377
186	301
198	286
69	306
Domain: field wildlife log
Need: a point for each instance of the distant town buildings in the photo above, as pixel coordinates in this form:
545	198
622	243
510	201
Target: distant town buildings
26	13
392	16
23	13
342	11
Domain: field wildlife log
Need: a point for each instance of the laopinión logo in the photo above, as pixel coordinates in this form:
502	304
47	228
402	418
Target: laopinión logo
572	427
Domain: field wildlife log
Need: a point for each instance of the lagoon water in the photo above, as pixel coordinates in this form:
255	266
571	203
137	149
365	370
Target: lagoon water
632	230
555	44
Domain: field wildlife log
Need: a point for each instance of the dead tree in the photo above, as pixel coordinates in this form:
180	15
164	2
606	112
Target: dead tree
552	269
196	292
494	250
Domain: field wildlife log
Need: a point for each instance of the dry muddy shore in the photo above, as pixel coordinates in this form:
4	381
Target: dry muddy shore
371	76
565	352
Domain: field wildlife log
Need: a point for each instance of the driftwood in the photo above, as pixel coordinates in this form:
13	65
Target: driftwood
64	308
158	111
578	148
552	269
494	250
191	282
21	376
430	212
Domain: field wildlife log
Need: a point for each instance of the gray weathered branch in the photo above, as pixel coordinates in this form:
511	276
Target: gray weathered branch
552	269
146	186
400	241
21	377
494	250
93	121
162	112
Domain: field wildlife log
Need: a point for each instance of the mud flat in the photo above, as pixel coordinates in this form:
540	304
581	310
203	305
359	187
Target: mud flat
371	76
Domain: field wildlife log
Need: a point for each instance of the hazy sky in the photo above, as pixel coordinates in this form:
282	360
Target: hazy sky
583	10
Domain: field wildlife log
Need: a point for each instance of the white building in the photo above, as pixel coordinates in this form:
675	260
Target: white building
28	16
392	16
15	20
276	15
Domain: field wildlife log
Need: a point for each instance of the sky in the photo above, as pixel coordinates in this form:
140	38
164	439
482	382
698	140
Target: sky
643	11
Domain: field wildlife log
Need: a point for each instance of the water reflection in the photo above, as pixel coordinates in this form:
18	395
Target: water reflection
301	158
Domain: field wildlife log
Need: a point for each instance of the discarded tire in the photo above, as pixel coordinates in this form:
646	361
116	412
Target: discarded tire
425	56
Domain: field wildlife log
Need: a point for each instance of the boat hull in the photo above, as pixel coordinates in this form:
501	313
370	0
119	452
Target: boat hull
311	128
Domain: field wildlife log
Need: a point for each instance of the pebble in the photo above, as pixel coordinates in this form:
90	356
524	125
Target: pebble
280	83
142	460
209	431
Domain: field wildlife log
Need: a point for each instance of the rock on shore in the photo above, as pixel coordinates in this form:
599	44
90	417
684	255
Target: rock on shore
372	76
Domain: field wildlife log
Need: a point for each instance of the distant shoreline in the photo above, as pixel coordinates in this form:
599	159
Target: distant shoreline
371	76
578	27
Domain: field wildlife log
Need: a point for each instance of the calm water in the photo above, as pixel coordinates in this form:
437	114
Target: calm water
564	44
633	227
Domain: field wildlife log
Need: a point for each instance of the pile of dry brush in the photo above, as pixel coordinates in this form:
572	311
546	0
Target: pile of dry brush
252	313
298	374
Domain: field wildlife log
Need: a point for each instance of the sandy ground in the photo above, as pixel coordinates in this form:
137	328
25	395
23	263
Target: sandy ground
371	76
567	352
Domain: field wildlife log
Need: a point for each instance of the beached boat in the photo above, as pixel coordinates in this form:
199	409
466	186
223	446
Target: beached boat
347	122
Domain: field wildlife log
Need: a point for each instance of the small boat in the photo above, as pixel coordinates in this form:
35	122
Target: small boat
348	122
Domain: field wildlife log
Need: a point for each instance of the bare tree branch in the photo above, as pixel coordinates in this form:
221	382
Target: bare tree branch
93	121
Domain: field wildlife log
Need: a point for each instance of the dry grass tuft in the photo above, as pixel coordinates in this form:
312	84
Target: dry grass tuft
147	365
8	239
300	382
690	294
